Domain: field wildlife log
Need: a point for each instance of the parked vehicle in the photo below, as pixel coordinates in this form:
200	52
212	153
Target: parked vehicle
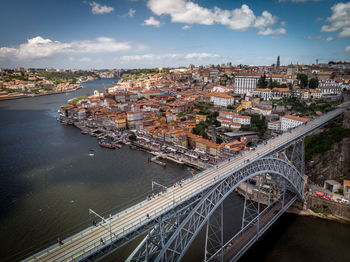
320	194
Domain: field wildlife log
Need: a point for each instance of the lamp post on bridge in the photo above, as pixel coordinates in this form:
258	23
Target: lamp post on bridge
102	218
157	184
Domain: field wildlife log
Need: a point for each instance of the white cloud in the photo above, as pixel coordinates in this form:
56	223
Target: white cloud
152	22
38	47
265	20
186	27
310	37
168	57
131	13
329	38
345	32
85	59
269	31
340	20
200	55
185	11
347	49
98	9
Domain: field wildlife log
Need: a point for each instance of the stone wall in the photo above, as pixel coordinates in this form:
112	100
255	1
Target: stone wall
328	206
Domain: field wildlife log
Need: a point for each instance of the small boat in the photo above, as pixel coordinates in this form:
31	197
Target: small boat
84	132
106	145
119	145
91	152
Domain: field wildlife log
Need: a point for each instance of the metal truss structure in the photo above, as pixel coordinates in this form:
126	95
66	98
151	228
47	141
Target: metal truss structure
171	237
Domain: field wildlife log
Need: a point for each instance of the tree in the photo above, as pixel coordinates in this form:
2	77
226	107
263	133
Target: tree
219	140
313	83
274	84
303	79
262	83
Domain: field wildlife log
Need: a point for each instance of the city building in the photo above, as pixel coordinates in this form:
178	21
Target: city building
221	99
245	83
289	121
274	125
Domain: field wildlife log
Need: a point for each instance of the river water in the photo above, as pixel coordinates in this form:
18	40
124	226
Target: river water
49	181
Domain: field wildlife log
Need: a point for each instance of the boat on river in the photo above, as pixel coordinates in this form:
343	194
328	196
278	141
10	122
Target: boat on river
106	145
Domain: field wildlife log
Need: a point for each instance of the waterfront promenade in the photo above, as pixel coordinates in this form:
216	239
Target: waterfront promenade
94	238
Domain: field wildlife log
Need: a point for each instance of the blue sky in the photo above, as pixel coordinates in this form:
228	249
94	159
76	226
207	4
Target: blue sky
157	33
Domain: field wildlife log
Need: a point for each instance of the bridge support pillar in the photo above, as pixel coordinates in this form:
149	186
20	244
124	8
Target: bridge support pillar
214	239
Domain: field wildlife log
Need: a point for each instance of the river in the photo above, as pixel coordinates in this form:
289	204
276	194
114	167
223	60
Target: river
49	181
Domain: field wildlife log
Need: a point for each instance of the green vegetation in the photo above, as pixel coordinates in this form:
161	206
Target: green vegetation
305	110
340	191
140	72
35	91
262	82
200	128
171	100
313	83
321	143
219	140
320	211
303	80
257	124
64	77
203	107
75	100
9	91
273	84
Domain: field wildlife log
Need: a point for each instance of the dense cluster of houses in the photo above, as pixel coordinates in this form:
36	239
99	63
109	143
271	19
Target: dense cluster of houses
160	106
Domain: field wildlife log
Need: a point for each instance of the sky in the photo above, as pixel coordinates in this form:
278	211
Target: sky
160	33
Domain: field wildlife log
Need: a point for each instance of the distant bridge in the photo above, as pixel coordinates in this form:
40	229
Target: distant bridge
172	220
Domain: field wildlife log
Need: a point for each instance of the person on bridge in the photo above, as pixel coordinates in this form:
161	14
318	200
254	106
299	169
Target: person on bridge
60	242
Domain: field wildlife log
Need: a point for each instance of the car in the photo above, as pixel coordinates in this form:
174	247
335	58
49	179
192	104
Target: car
327	197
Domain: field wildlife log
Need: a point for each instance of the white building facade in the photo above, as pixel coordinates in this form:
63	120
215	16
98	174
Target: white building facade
289	121
221	99
245	83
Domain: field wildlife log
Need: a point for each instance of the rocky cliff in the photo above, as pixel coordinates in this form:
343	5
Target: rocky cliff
335	162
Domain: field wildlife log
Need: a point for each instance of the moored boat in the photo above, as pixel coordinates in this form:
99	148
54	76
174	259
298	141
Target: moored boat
106	145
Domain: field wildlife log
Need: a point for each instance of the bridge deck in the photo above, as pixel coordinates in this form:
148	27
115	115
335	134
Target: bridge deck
237	246
87	242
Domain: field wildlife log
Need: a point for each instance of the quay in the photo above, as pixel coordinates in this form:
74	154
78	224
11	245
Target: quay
155	160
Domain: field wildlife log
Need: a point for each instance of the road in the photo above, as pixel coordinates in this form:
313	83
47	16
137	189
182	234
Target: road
90	240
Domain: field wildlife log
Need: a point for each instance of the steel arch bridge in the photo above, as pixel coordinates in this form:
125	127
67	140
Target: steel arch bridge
172	236
175	217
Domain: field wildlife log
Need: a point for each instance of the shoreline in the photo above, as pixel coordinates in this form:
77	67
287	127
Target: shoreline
36	95
310	213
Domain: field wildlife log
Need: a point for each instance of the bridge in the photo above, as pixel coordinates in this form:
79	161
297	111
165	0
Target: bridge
170	221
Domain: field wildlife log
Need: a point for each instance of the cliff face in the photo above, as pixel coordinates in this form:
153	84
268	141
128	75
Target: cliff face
334	163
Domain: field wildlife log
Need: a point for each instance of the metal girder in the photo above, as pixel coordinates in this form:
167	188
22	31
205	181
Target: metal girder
214	239
180	238
163	228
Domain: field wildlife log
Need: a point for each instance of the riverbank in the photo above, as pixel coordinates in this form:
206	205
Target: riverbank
12	97
310	213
